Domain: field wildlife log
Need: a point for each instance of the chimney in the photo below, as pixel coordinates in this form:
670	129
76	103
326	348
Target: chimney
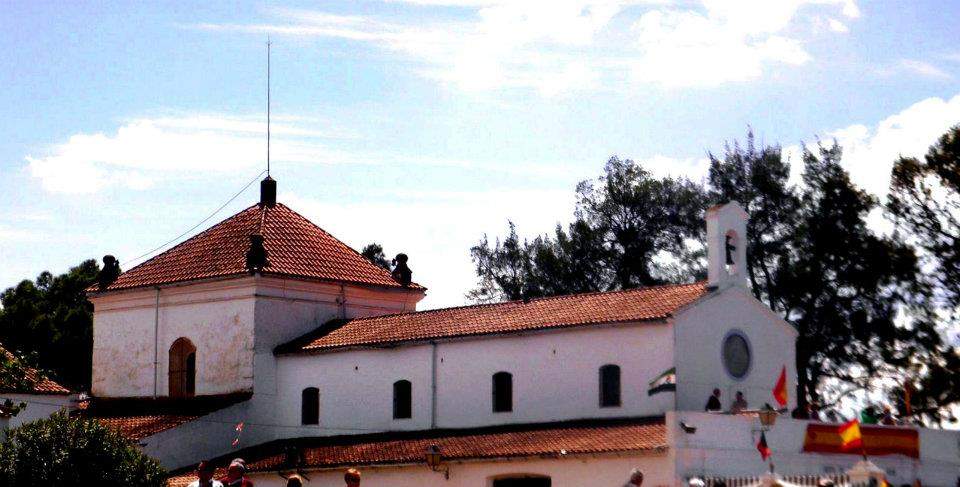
726	245
268	192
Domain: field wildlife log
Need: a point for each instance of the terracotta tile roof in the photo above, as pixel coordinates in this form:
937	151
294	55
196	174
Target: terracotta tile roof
138	418
536	440
295	247
39	383
652	303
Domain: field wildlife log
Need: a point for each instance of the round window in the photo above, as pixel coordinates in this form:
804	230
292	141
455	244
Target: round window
736	355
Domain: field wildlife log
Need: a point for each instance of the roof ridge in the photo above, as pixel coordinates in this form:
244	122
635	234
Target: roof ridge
358	254
558	297
192	237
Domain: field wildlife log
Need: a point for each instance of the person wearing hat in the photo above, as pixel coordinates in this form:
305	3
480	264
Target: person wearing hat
236	474
636	478
294	481
352	477
205	472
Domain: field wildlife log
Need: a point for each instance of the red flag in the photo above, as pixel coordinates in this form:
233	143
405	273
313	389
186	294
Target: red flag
780	390
762	447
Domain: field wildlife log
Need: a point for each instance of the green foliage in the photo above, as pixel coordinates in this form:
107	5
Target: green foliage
64	451
625	223
924	202
15	376
51	319
374	253
857	298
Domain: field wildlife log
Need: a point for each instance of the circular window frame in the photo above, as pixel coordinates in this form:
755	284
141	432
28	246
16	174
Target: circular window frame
750	358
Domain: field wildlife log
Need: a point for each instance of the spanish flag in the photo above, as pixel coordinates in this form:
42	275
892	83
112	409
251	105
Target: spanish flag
780	390
850	437
873	440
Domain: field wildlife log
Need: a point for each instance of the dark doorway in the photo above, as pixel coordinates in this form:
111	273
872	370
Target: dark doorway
523	482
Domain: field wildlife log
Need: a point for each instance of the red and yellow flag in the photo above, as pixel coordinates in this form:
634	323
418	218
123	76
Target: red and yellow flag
780	390
873	440
850	437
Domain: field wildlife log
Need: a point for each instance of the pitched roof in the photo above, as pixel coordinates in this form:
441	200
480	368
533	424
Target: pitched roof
295	247
138	418
545	439
37	382
651	303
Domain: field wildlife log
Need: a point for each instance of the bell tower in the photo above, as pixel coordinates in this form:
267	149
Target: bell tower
726	245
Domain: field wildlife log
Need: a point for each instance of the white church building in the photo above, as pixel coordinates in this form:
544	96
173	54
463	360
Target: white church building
264	337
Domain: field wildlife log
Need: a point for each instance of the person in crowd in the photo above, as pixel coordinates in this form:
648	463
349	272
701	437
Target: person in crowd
869	415
205	471
636	478
713	404
887	417
719	483
236	474
294	481
739	404
352	477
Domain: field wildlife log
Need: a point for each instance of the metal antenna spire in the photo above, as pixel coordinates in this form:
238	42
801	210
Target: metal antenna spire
268	106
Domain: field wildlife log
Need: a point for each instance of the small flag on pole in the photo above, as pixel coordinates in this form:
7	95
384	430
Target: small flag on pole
850	437
762	446
780	390
238	429
667	381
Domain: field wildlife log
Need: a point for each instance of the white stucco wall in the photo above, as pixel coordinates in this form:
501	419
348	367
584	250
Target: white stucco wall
555	374
725	445
217	317
555	377
234	323
597	471
700	331
38	406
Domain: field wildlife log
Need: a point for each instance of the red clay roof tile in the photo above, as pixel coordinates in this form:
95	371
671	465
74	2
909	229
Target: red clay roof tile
652	303
137	418
295	247
571	438
40	384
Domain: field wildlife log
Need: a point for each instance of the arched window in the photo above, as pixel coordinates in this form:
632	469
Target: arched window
610	386
182	368
502	392
402	399
310	406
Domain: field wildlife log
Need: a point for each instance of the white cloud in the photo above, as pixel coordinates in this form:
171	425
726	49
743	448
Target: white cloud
145	150
837	26
429	227
869	152
923	69
561	46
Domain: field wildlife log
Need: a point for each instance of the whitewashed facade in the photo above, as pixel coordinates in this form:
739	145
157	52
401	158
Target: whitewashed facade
237	323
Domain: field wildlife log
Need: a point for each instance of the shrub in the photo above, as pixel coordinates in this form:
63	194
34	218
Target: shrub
65	451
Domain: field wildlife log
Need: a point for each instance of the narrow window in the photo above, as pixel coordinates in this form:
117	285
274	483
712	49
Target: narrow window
610	386
402	400
502	392
182	368
310	406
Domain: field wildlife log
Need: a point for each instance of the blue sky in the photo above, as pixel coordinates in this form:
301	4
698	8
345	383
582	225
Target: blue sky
424	124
